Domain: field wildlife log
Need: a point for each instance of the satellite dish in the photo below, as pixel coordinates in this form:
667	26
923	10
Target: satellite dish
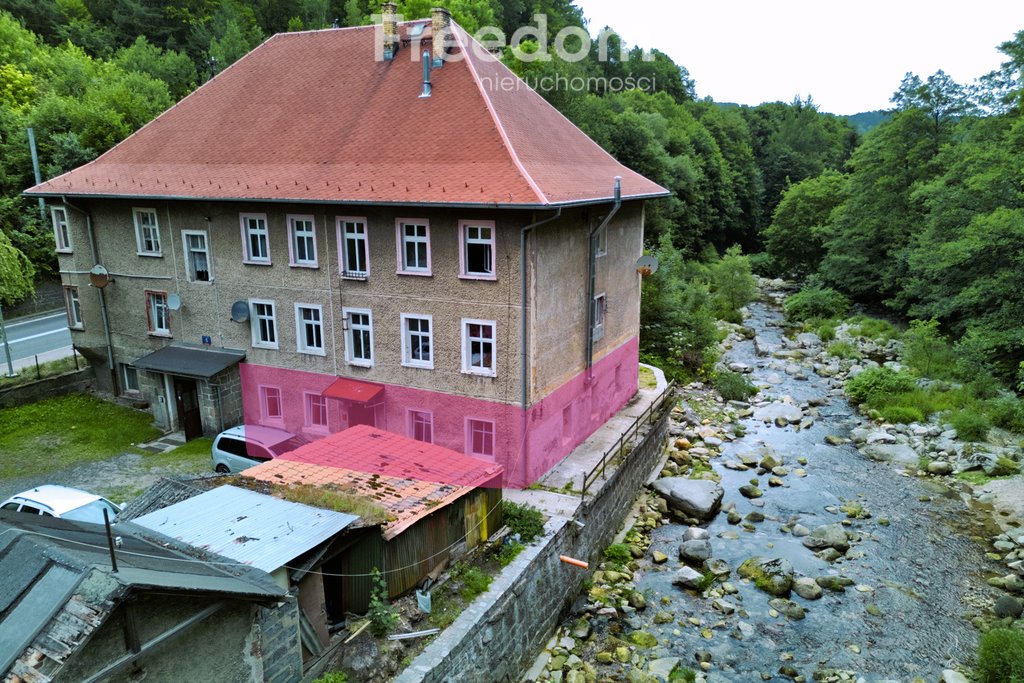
646	265
173	302
240	311
99	277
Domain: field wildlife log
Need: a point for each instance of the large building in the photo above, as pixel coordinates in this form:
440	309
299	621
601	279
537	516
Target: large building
329	234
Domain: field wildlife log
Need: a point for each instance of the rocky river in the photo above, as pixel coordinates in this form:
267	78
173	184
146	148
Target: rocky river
790	538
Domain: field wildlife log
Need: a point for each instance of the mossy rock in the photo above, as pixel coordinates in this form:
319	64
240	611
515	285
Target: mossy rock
643	639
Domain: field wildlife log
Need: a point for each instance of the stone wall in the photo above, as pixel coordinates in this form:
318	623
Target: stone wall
60	385
49	296
279	642
499	635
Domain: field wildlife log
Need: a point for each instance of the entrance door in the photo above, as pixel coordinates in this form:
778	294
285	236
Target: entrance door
187	399
362	414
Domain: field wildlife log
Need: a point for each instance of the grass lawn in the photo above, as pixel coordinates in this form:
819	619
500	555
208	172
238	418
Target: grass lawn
647	379
48	369
60	432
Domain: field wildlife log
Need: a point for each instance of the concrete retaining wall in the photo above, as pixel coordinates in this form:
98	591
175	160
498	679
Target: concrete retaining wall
59	385
498	637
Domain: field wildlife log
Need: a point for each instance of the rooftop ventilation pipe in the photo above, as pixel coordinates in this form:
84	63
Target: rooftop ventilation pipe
592	274
389	19
426	75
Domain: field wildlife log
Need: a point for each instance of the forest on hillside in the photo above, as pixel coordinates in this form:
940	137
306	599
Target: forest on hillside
923	215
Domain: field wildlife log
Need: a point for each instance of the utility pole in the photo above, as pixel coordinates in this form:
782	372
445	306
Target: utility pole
7	348
35	168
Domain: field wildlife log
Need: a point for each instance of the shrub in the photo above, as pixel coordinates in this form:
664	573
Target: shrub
902	414
816	302
732	385
875	382
927	352
618	553
827	331
525	520
1001	656
842	349
873	328
970	425
733	284
474	581
508	552
1004	467
381	614
1007	413
333	677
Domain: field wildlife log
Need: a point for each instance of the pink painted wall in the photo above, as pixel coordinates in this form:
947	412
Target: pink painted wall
554	426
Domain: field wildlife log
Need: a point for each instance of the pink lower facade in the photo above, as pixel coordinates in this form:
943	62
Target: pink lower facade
525	445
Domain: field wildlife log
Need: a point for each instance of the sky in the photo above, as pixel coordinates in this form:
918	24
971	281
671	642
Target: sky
850	57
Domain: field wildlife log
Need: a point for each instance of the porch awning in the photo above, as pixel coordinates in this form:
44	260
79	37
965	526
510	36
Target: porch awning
355	390
189	361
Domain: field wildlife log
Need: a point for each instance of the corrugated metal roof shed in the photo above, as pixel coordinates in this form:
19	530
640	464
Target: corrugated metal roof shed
248	527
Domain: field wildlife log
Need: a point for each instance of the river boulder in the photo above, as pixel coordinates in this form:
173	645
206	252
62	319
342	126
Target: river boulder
774	577
695	498
828	536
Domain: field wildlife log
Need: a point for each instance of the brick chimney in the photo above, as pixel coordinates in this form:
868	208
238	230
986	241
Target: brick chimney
440	27
388	11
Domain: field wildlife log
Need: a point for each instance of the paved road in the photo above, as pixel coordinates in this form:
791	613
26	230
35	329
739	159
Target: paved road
37	335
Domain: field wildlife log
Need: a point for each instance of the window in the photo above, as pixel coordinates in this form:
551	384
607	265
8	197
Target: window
358	336
270	404
601	241
309	329
130	379
263	325
352	245
477	249
74	308
420	425
316	412
255	245
417	341
413	247
478	347
480	438
197	256
600	308
61	233
302	242
147	232
157	314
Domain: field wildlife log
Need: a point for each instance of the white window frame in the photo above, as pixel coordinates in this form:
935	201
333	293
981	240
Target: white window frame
73	304
467	343
152	314
465	240
341	226
307	407
125	368
401	239
140	229
190	272
300	330
265	416
254	325
61	229
350	330
248	231
600	305
407	359
469	430
293	247
413	418
601	243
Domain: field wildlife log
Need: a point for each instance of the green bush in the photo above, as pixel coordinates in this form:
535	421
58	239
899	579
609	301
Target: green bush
902	414
474	581
381	614
842	349
525	520
1006	413
618	553
816	302
732	283
927	352
873	328
877	382
732	385
1001	656
508	552
970	425
827	331
333	677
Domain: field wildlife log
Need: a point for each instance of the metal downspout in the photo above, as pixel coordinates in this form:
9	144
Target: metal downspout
592	273
103	298
524	397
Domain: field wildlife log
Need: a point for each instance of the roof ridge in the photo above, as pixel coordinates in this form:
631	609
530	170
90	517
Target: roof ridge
494	114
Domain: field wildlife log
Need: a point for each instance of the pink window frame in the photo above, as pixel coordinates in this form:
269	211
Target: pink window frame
469	438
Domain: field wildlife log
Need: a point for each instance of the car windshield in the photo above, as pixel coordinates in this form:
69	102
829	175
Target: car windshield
287	445
91	512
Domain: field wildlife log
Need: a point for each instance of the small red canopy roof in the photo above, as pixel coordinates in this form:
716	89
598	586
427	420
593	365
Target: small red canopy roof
313	116
356	390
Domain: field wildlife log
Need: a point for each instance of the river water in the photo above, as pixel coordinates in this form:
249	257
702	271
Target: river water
916	579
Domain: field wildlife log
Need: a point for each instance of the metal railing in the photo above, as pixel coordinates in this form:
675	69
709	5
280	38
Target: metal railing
627	440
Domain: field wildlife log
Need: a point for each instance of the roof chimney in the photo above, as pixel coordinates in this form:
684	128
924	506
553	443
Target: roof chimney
440	27
388	11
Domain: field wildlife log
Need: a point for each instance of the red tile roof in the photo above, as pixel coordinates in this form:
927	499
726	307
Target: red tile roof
409	478
312	116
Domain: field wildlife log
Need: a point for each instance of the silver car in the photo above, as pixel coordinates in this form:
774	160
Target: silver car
64	502
245	446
